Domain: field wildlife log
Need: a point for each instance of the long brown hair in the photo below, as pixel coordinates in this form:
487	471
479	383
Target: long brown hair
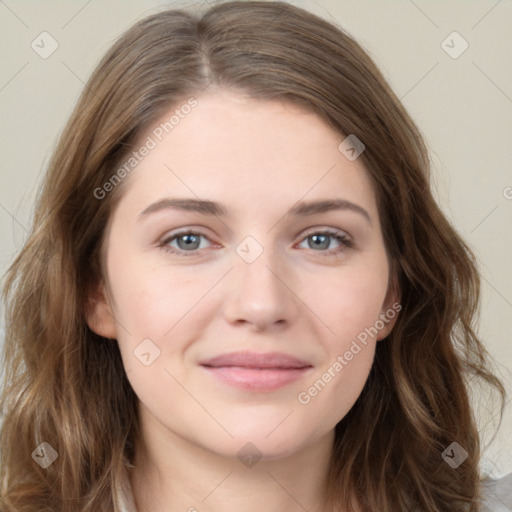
66	386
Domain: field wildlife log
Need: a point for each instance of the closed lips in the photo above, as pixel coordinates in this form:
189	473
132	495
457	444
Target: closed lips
251	360
257	373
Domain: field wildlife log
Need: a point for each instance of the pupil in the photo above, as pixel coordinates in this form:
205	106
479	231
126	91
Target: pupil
316	238
189	239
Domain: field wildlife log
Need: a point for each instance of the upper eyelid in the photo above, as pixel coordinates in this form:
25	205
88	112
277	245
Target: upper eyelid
326	228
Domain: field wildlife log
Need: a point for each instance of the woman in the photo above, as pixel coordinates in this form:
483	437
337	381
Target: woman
311	352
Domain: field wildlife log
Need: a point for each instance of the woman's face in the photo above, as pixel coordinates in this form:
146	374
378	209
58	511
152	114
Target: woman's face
193	282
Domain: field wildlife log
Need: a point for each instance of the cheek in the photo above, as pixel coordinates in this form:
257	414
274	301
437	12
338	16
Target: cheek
155	307
333	392
349	355
350	305
150	299
348	302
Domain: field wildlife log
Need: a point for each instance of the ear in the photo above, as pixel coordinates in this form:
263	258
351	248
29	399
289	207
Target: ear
98	313
390	308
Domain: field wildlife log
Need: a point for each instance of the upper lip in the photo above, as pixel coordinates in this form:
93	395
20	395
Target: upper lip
255	360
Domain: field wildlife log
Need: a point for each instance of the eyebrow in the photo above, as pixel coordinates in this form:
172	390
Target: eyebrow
205	207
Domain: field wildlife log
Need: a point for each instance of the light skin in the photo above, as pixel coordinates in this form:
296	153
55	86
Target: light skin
258	158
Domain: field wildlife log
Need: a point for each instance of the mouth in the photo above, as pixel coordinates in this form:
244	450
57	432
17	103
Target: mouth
257	372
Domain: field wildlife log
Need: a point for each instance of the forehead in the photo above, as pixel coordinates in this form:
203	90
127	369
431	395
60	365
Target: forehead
246	151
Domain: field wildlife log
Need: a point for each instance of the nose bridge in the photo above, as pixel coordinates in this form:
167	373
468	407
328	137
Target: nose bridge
259	294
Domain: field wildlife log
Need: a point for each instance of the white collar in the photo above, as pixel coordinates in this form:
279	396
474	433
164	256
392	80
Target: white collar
125	494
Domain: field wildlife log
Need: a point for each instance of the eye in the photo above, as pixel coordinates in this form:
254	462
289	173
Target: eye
189	240
322	240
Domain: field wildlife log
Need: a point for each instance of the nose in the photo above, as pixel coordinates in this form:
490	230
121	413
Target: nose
260	293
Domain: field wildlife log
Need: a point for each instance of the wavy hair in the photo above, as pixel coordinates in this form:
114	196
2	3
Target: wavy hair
66	386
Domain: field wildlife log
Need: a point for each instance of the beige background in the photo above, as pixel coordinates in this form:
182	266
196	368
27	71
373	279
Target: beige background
462	105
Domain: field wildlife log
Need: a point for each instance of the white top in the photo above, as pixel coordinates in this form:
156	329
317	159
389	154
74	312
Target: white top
497	495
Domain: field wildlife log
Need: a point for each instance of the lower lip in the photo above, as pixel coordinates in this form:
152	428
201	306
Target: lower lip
257	379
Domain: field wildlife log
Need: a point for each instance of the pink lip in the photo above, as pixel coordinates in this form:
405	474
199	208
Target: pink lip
257	372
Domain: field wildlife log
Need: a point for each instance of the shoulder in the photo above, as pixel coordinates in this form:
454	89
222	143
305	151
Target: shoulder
497	494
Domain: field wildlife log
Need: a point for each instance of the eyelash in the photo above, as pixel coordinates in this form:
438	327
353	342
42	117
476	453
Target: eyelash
344	240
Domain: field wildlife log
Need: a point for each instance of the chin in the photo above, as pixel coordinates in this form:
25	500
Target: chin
255	440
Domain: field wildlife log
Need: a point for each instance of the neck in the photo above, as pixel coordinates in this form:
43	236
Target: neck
173	474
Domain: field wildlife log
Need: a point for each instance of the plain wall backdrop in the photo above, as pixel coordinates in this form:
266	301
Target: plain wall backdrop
456	86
